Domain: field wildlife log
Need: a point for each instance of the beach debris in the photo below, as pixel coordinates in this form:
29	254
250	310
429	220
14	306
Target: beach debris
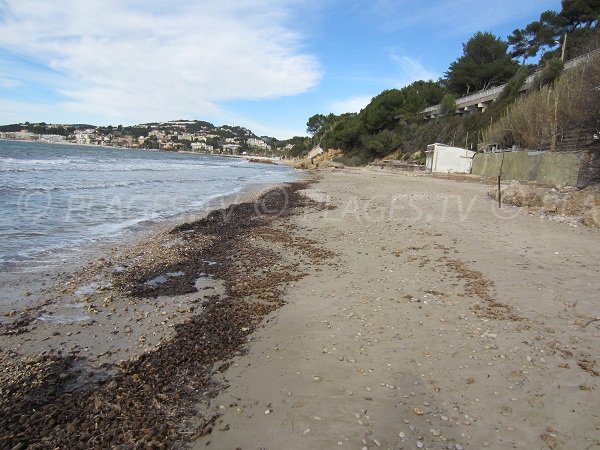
145	405
550	439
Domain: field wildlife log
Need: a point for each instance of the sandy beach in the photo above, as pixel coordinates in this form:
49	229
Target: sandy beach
360	309
441	323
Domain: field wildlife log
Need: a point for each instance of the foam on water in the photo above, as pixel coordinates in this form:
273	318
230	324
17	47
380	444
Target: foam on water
57	199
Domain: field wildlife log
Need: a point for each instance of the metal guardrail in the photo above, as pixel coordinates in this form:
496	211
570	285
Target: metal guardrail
495	91
479	95
431	109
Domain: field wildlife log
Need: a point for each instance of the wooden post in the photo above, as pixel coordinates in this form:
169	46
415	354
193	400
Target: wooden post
499	194
500	176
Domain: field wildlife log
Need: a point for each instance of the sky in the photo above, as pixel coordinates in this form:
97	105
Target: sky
267	65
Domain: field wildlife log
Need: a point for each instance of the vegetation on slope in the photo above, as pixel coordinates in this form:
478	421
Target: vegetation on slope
391	123
554	115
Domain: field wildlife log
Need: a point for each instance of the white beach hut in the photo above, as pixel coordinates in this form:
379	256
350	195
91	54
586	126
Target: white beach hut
442	158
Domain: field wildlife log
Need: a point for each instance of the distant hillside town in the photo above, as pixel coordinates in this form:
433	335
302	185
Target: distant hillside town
178	135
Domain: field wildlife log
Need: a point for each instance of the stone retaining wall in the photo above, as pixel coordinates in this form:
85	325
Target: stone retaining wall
542	167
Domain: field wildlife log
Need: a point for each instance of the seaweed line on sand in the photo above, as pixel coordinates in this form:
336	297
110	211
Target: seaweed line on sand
155	401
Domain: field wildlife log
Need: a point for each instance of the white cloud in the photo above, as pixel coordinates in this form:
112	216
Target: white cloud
261	129
9	83
133	61
350	105
411	70
14	111
408	70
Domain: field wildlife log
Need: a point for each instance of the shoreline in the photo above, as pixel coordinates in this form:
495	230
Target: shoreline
36	277
257	158
120	317
385	310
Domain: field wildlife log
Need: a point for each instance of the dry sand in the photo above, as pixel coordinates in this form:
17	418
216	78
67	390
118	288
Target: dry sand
442	322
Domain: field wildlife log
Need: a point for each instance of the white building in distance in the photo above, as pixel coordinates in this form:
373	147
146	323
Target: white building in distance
442	158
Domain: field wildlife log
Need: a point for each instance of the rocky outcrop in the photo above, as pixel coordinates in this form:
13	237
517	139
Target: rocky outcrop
561	202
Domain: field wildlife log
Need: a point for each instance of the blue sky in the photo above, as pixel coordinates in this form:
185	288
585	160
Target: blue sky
264	64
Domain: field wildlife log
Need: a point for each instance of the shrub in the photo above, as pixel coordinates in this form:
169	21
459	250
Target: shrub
353	159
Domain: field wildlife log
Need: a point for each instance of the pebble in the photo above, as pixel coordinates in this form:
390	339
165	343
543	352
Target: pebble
402	434
419	444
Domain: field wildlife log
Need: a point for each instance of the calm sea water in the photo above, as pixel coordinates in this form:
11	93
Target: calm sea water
58	199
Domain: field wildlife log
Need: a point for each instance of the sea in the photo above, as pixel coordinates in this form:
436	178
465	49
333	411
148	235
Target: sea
58	200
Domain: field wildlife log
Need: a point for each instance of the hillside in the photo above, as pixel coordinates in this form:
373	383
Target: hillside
190	135
393	125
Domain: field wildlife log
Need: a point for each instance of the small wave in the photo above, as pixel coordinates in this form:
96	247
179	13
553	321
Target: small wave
111	169
34	188
159	187
8	164
33	162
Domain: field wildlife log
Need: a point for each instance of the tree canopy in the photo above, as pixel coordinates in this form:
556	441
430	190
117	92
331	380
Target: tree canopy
392	104
578	19
315	123
484	63
377	129
391	124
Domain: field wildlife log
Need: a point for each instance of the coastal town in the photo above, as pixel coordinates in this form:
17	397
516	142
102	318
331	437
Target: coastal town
177	135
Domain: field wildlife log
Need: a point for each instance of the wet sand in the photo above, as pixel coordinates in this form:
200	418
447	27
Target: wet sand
366	310
123	351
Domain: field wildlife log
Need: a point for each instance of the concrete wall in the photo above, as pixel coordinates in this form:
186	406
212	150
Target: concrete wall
542	167
445	159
